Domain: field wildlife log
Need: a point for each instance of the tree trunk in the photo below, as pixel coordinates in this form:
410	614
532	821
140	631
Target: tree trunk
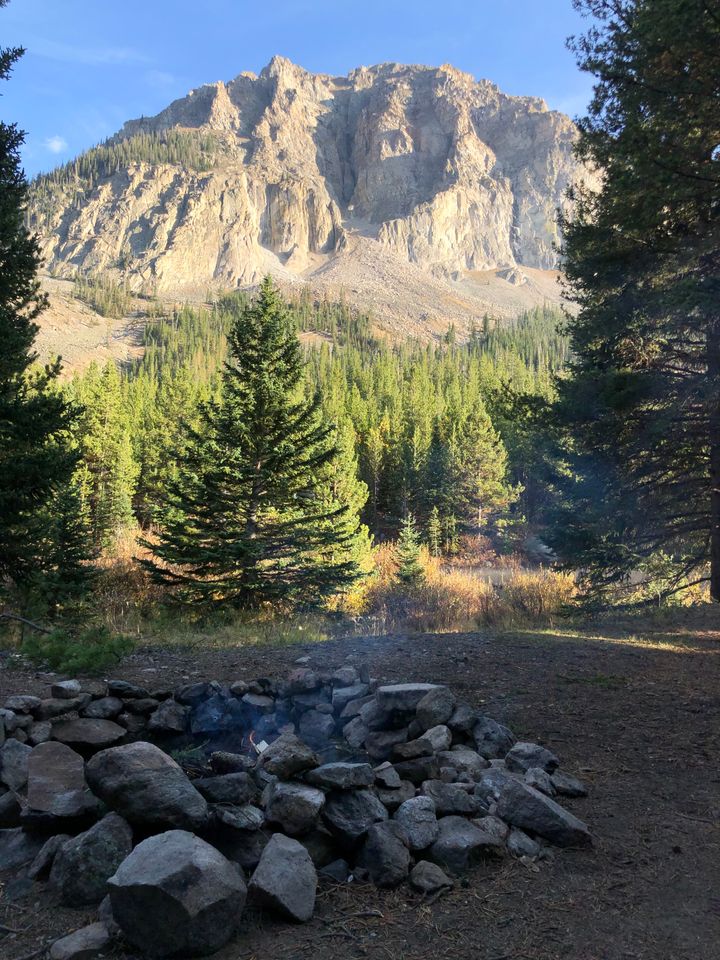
713	369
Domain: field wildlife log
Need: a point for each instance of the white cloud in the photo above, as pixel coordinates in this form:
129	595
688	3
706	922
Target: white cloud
160	79
92	56
56	144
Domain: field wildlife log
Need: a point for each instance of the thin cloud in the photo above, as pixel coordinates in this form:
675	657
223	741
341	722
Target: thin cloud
90	56
56	144
160	79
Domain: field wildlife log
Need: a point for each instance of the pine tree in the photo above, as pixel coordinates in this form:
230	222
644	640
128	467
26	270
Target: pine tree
434	533
35	457
256	514
642	403
410	570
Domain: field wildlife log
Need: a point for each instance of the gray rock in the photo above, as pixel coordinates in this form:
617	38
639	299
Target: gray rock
387	776
393	797
221	761
218	713
14	757
311	701
426	877
65	689
568	786
449	798
523	756
17	848
285	880
419	770
341	776
490	784
379	743
316	728
341	696
418	818
346	676
258	702
142	707
402	697
237	788
40	868
492	739
463	719
83	865
56	783
106	708
193	694
146	786
39	732
55	707
288	756
105	915
243	847
176	894
459	844
353	708
496	833
87	735
519	844
22	703
385	854
84	944
125	690
293	806
524	807
464	760
435	708
303	680
413	749
246	817
132	723
320	845
338	870
440	737
169	717
541	780
95	688
350	814
356	732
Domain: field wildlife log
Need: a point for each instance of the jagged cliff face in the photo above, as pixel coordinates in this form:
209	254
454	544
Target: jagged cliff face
441	173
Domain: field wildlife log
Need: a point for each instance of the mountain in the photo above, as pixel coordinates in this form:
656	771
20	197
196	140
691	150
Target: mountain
421	193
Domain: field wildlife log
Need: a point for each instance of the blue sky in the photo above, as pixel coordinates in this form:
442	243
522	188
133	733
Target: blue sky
92	64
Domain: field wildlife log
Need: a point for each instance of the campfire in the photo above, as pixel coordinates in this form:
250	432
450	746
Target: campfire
262	789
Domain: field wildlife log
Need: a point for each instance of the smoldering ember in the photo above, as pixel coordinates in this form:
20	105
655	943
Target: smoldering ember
170	809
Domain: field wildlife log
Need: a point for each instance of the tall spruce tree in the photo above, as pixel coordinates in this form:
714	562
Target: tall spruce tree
642	403
35	458
258	512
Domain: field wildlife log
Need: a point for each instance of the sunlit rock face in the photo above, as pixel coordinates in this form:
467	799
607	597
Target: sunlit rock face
428	165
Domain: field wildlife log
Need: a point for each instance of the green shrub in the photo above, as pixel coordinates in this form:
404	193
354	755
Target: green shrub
89	651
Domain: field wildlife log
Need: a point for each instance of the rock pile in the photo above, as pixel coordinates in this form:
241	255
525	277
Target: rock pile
334	777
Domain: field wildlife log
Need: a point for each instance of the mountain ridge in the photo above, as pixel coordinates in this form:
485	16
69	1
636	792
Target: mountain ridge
393	177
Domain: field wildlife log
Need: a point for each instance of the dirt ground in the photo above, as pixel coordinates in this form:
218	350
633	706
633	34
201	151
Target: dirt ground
637	717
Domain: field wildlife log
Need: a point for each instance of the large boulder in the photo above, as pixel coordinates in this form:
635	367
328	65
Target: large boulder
385	854
285	879
177	895
418	818
522	806
350	814
295	807
57	790
83	865
146	787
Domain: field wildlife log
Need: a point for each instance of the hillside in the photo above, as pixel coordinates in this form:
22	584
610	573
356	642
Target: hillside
423	195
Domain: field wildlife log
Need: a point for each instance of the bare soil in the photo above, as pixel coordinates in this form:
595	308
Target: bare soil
636	717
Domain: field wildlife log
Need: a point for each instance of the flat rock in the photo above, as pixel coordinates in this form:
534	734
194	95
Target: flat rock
418	818
56	707
285	880
146	787
295	807
14	758
528	809
237	788
350	814
176	894
125	690
341	696
246	817
341	776
403	697
84	944
86	734
523	756
83	865
288	756
385	854
56	783
426	877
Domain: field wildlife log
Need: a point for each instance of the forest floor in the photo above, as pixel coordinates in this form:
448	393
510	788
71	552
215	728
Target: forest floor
634	709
